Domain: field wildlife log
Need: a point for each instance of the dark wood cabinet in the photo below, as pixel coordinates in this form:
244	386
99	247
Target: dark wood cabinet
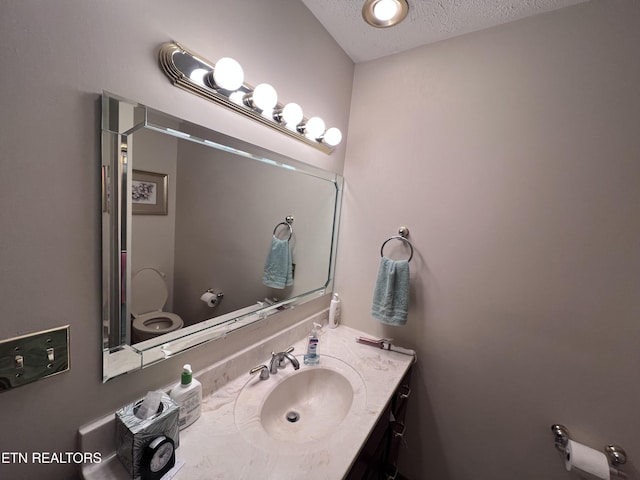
378	458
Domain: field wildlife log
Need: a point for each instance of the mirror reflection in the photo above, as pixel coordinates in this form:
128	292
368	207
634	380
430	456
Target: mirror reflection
202	230
218	228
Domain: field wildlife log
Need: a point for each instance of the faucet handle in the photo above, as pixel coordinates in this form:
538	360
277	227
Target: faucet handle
263	369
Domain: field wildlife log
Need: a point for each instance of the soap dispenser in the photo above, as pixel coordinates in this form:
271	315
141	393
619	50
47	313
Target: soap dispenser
188	395
312	357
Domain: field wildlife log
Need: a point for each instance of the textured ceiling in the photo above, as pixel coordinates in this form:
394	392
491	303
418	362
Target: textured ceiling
428	21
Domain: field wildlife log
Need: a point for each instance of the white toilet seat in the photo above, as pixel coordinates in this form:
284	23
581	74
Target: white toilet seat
152	324
148	300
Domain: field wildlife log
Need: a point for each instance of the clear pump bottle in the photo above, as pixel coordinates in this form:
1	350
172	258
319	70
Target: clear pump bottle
311	357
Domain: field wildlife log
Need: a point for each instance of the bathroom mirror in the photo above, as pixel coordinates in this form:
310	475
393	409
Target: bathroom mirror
196	225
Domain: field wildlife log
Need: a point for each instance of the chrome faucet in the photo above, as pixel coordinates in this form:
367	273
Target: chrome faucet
278	360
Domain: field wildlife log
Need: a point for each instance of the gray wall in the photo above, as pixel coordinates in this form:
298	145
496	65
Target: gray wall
57	59
512	155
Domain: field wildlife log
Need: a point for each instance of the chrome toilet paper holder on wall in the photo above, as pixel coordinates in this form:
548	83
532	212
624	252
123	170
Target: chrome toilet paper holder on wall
615	453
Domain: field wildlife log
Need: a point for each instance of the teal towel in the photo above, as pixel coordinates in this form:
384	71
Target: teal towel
278	271
391	293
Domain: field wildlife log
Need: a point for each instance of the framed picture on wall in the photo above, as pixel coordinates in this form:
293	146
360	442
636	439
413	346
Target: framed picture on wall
149	193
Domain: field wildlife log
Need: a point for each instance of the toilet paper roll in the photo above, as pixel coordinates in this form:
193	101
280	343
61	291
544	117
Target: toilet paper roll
583	459
211	299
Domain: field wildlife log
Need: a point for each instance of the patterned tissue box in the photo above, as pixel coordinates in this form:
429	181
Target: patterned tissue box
134	434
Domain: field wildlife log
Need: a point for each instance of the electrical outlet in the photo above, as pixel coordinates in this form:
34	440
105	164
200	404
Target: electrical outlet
28	358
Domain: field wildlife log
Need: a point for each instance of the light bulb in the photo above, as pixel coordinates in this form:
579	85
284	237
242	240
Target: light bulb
228	74
314	128
291	114
264	97
385	10
237	97
198	74
332	137
384	13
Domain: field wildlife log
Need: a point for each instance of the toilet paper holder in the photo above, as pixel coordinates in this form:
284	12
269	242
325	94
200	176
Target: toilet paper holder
615	453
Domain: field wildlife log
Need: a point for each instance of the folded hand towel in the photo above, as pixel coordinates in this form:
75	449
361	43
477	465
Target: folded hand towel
391	293
278	271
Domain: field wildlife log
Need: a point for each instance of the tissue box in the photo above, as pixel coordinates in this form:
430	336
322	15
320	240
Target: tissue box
134	434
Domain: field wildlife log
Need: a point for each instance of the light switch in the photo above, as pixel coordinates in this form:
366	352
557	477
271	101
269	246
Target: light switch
28	358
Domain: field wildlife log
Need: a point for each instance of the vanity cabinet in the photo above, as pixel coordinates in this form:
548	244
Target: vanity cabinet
378	458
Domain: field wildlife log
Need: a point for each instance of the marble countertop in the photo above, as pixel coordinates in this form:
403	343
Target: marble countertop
214	447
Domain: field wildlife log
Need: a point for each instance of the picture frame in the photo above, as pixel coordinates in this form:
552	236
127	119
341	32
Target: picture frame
149	193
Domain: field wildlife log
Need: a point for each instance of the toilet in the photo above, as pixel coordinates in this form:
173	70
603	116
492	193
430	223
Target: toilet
148	297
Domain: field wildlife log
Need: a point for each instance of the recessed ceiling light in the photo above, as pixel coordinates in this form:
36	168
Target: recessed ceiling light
384	13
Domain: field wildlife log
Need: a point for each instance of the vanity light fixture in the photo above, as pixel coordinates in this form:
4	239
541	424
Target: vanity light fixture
384	13
223	83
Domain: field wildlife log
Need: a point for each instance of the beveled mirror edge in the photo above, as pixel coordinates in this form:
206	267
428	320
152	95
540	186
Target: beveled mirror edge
120	358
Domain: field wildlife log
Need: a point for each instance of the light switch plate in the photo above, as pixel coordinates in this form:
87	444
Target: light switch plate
31	357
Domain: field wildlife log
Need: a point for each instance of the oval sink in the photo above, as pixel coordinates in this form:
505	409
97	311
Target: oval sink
299	406
307	405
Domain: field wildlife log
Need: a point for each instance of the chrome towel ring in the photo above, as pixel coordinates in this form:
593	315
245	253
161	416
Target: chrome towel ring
287	223
404	233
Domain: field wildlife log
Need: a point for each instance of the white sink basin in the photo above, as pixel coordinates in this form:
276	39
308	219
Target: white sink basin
307	405
299	406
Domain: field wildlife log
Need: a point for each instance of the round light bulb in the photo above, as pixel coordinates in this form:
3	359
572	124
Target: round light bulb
314	128
228	74
384	13
237	97
198	74
332	137
264	97
292	114
385	10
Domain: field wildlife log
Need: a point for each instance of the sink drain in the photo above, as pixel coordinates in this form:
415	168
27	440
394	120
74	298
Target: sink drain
292	416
